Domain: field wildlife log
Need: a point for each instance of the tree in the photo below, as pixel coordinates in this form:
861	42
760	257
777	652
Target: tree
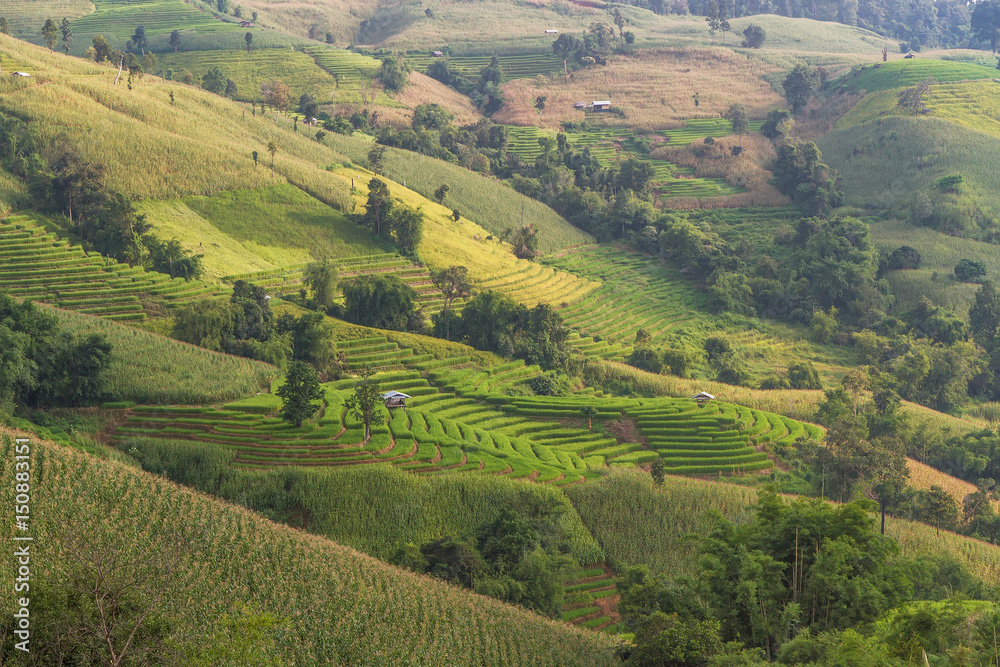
540	102
50	33
454	284
629	37
911	99
272	148
799	86
970	270
67	35
366	402
253	156
565	47
753	36
378	206
738	120
214	80
524	241
102	50
222	6
248	38
406	229
441	193
620	22
393	74
724	19
939	508
139	39
230	91
380	301
456	215
277	95
321	277
376	157
300	394
985	23
4	25
657	471
777	124
984	315
712	18
175	39
589	412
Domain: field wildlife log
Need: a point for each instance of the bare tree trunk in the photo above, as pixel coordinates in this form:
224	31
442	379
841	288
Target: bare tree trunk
121	64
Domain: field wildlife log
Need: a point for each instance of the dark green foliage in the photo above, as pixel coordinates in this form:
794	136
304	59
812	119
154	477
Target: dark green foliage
43	367
776	124
657	472
985	23
393	74
666	639
321	277
454	284
524	241
565	47
940	325
951	183
381	301
803	375
366	401
970	270
549	384
904	257
378	207
50	33
799	86
139	39
646	359
4	25
800	173
171	258
493	322
175	39
753	36
431	117
300	393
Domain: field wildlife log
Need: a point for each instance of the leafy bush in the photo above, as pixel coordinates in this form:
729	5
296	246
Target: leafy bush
970	270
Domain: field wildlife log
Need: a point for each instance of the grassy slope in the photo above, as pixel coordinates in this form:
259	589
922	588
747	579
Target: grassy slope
651	526
236	230
152	148
491	204
340	606
149	368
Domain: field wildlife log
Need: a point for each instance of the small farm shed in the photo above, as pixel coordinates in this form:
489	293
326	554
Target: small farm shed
24	74
601	105
551	32
437	54
395	399
246	24
702	398
580	105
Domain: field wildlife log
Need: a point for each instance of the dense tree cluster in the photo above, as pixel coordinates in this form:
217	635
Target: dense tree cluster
493	322
520	557
396	223
793	586
43	367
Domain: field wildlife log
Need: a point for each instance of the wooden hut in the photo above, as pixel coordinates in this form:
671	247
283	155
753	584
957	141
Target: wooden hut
395	399
703	398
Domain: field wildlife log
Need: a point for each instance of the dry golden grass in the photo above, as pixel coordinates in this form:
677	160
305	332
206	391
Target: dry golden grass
923	477
424	90
654	88
717	161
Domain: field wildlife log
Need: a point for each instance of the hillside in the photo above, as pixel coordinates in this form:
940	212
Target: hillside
333	605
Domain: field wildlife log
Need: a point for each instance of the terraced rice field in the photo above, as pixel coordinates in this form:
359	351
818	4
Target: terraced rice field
296	69
637	293
611	145
289	279
351	71
36	264
459	417
518	66
592	599
901	73
117	19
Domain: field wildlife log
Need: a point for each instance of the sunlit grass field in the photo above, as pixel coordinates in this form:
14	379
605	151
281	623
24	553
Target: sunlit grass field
295	69
483	199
